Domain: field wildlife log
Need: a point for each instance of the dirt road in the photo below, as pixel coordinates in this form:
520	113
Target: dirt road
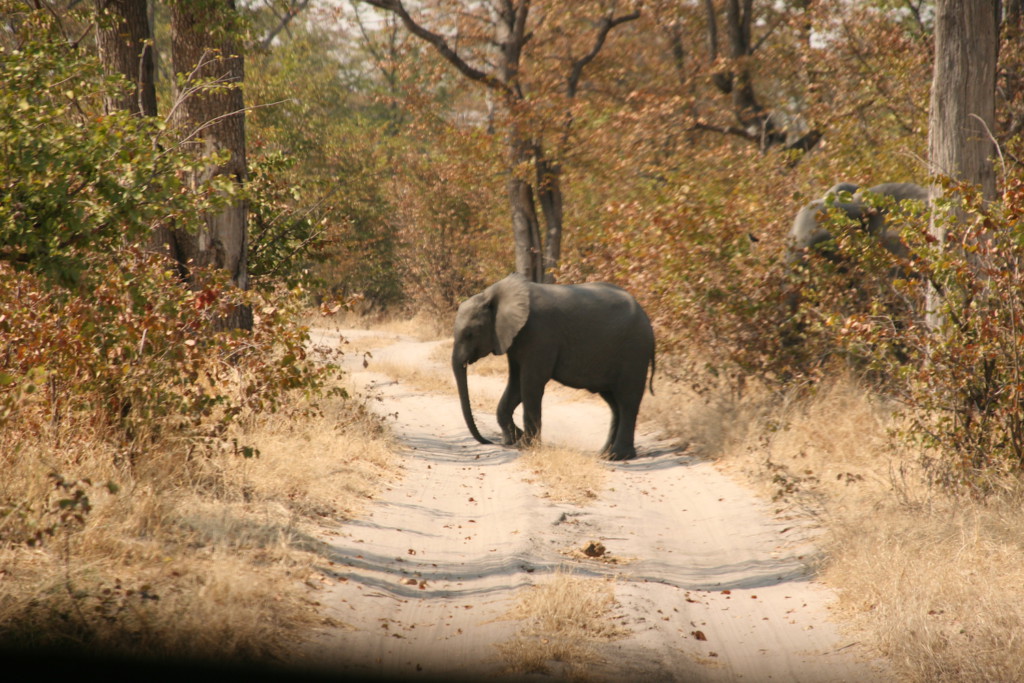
712	586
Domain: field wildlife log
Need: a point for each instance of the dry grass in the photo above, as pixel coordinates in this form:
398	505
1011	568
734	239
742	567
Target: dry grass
434	375
325	466
561	620
826	453
566	475
933	584
939	588
430	379
489	366
420	326
711	423
205	557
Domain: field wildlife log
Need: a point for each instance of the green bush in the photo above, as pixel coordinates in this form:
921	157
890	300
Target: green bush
74	181
95	331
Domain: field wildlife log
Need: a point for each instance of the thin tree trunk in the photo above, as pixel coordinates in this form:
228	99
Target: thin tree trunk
123	42
212	119
1014	11
549	190
511	28
755	122
525	224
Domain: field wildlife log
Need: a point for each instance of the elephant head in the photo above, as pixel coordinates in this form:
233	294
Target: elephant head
487	323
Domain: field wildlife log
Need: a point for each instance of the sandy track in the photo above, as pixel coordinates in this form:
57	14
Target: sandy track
712	586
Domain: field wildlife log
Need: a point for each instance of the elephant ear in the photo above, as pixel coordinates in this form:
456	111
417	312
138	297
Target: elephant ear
511	298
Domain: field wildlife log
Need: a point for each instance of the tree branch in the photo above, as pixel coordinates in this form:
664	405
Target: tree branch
607	24
440	44
779	20
377	55
283	22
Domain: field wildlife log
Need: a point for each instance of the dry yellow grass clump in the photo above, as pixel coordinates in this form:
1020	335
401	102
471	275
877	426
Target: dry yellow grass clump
566	475
181	555
929	581
561	621
937	587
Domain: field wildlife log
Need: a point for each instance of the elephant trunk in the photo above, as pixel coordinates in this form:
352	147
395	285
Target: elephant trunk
459	368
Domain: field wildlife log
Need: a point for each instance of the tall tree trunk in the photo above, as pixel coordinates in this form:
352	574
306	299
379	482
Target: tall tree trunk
525	223
961	120
204	52
549	191
122	40
511	28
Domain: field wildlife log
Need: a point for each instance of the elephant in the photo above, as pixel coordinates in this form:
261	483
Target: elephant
592	336
807	232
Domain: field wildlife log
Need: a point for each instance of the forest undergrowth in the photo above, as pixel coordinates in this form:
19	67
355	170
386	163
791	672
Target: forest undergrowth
208	556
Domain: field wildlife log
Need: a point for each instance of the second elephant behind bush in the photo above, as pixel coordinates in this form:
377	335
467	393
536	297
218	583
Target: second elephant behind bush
808	232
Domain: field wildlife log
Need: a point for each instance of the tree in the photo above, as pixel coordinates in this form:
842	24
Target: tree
74	182
733	73
961	121
319	204
498	44
123	40
209	112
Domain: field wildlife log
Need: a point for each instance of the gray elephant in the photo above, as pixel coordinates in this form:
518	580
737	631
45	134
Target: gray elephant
593	336
807	232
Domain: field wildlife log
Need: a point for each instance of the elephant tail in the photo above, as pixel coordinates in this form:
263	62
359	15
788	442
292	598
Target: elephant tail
650	384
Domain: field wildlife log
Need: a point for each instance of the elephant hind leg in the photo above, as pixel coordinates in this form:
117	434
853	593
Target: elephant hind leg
622	447
620	451
609	398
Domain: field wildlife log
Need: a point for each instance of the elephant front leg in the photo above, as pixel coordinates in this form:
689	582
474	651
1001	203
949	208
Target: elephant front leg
533	396
511	434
